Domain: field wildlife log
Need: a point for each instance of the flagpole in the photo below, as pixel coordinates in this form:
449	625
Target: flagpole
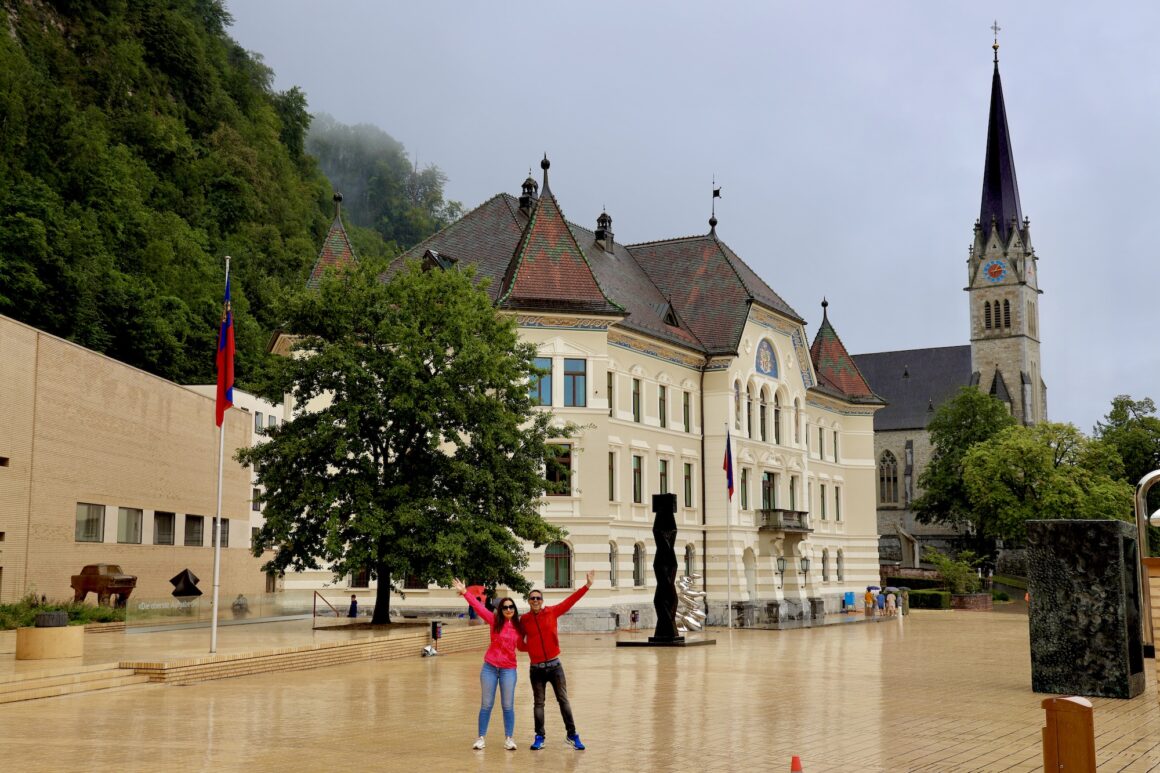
728	537
217	547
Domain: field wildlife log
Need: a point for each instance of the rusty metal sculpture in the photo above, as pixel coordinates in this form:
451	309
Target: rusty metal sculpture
105	580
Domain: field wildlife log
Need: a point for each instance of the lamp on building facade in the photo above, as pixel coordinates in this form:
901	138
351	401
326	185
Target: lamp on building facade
805	565
781	569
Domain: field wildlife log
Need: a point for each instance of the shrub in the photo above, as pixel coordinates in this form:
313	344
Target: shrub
960	575
23	613
930	599
999	595
915	583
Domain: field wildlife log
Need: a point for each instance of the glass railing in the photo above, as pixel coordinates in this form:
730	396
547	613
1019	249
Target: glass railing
241	607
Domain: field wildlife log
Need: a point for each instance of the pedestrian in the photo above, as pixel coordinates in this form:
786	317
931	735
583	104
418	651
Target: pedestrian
633	619
891	605
353	611
543	647
868	603
499	664
881	598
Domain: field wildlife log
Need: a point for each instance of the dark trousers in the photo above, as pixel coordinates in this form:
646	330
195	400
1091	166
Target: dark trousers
554	675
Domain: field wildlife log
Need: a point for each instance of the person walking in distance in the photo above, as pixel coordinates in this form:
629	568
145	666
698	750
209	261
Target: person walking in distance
543	647
499	664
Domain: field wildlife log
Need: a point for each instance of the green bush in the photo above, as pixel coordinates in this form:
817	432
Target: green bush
23	613
916	583
930	599
960	575
999	595
1014	582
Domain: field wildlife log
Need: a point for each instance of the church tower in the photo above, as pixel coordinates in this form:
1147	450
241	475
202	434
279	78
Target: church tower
1003	280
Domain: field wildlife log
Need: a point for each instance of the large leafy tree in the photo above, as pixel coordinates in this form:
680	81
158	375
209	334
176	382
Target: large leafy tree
1046	471
970	417
1133	428
415	449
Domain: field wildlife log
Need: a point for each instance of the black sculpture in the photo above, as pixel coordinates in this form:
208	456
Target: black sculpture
665	567
185	584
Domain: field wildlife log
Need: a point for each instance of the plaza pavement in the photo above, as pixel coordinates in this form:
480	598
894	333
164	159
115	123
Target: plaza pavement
937	691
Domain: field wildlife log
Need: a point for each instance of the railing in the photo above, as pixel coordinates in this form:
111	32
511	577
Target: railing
784	520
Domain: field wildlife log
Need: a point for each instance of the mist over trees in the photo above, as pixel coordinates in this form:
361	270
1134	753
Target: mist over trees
382	188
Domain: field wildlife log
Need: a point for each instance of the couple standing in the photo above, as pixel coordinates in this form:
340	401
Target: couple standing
535	634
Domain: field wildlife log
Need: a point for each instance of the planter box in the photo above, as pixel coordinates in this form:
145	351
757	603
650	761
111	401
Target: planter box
49	643
975	601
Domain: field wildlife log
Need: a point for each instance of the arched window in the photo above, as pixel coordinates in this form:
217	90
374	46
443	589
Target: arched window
841	566
777	418
888	478
557	566
1006	313
987	315
797	421
1030	318
638	565
737	405
749	405
763	418
690	560
612	558
826	565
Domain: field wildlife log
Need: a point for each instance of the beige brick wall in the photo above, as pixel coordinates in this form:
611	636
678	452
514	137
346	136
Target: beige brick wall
85	428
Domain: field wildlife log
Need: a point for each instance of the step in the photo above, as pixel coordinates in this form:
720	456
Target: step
36	672
30	692
36	681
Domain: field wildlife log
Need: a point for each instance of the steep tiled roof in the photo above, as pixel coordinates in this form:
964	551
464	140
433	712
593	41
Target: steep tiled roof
709	286
1000	200
914	382
834	365
336	254
549	270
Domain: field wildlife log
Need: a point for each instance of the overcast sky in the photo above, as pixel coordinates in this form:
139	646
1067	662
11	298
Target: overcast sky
848	139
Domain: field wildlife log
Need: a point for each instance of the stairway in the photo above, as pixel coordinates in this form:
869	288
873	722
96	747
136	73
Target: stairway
65	680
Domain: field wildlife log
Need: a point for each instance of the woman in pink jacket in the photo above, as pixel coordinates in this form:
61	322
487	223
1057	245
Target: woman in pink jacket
499	664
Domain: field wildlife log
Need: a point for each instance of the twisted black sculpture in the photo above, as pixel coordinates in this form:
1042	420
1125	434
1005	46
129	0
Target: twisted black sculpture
665	567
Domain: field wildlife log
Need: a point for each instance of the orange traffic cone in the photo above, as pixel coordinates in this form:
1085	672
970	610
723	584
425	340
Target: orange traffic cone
795	765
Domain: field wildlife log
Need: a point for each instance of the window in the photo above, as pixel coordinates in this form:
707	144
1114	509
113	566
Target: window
822	498
637	482
837	504
256	500
258	422
413	582
687	411
194	528
793	487
611	393
1006	313
888	478
638	565
271	421
737	405
225	533
558	471
797	420
163	528
129	525
821	443
611	476
690	560
768	496
835	445
987	315
1031	318
541	391
777	419
90	522
254	536
612	559
762	419
636	400
841	566
575	383
557	566
749	411
688	484
744	488
825	565
662	405
663	469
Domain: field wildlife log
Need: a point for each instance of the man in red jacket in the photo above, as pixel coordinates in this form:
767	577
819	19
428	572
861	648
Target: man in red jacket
543	646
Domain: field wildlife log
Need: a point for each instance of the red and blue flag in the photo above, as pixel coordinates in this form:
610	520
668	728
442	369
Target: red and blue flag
225	357
728	466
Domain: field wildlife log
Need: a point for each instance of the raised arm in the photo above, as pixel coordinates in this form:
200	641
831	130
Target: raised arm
472	601
568	603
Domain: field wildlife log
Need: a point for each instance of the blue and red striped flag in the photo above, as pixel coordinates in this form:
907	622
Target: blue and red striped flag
728	466
225	357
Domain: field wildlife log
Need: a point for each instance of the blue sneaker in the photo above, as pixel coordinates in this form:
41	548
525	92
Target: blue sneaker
574	740
538	743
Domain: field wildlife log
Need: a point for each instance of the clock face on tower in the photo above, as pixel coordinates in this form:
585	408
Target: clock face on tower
995	271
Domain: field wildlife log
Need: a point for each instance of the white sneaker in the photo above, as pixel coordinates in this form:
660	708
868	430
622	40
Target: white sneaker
479	743
510	744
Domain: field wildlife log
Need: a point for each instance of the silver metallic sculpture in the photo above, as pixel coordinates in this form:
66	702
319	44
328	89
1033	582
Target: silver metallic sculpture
690	616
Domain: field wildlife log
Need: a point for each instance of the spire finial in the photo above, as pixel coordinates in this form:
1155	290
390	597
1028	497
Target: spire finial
544	165
995	29
713	212
337	203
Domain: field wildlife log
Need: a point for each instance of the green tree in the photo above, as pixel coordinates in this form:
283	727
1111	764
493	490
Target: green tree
1132	427
1046	471
421	454
969	417
961	574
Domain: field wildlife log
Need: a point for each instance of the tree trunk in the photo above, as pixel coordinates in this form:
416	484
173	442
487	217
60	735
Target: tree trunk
382	614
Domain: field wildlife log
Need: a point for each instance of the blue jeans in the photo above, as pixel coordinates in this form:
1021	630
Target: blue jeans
489	677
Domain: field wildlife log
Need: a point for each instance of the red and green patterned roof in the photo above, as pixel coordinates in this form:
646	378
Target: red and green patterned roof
834	365
336	254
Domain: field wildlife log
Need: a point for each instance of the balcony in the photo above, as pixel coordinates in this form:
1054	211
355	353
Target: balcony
784	520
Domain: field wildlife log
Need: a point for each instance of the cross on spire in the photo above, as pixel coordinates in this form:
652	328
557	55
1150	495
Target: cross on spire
996	28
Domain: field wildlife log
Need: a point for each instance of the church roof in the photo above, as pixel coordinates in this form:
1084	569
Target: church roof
914	382
1000	201
337	253
835	367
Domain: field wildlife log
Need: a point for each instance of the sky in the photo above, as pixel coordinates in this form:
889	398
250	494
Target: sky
848	140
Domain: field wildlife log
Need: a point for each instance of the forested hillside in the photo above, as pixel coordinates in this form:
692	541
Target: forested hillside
139	145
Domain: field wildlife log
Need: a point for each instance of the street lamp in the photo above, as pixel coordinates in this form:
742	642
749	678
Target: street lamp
805	565
781	569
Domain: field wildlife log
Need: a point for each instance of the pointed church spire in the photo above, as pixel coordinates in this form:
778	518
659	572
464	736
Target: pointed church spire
1000	203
